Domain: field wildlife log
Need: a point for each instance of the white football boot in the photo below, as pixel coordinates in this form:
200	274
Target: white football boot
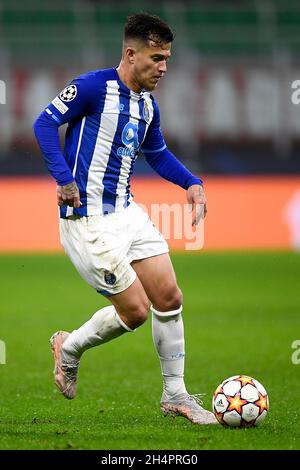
188	406
65	367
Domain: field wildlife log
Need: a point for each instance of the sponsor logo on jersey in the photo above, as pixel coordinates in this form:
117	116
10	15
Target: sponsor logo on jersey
59	105
126	152
130	140
69	93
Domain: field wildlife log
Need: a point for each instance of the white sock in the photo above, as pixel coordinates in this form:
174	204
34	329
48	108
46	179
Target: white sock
104	326
168	337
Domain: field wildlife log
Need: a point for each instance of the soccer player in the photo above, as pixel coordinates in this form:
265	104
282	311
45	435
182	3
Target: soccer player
113	244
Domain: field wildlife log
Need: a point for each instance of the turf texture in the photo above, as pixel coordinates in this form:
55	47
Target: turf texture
241	314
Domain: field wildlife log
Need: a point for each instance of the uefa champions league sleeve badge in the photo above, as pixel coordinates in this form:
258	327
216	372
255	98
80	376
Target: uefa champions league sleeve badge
69	93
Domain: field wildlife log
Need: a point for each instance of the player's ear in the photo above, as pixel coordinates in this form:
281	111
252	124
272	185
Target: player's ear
130	54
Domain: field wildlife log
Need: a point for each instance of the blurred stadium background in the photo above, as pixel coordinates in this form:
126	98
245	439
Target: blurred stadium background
225	103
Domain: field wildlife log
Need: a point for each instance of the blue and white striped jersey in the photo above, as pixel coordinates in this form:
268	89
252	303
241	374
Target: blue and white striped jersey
108	125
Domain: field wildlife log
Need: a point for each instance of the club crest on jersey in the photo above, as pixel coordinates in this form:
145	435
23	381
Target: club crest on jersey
146	112
110	278
69	93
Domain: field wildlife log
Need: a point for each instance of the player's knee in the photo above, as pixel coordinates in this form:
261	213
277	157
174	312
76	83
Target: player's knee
138	314
178	299
171	300
175	301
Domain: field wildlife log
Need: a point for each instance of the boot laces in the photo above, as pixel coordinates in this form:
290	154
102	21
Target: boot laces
197	398
70	370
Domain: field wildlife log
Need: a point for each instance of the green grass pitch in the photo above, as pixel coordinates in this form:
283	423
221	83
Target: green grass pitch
241	314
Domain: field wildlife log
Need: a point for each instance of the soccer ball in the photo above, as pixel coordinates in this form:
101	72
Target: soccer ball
240	401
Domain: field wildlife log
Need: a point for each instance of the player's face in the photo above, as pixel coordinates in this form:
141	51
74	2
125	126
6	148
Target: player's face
150	64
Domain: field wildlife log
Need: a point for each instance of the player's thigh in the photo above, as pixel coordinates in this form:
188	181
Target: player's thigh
100	257
98	252
158	278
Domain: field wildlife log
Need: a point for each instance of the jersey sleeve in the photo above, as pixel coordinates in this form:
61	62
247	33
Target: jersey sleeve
171	169
154	140
159	157
78	99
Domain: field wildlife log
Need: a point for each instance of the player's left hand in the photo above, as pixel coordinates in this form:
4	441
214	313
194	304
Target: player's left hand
198	203
68	195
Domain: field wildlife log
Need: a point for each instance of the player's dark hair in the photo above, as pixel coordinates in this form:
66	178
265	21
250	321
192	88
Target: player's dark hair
145	27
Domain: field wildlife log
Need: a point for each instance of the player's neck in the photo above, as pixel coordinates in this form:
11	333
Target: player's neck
126	77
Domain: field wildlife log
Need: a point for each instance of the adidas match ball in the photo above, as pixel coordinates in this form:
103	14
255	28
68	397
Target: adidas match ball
240	401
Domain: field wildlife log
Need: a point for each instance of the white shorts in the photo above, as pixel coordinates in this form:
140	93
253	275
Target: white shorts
101	247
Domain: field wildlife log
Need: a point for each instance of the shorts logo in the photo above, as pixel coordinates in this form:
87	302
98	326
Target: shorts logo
69	93
110	278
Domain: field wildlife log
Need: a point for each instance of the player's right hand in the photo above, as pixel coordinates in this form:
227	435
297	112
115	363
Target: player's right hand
198	203
68	195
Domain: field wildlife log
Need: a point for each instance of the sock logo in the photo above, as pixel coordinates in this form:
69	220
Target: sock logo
177	356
